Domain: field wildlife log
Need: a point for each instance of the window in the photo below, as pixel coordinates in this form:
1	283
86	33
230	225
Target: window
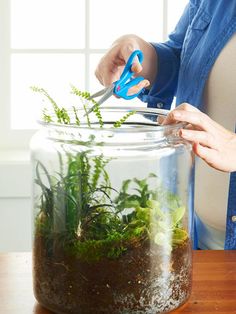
52	43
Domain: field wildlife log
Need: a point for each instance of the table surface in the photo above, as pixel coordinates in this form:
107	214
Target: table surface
214	284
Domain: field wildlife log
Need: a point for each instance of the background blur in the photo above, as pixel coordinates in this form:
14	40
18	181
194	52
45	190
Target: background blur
51	44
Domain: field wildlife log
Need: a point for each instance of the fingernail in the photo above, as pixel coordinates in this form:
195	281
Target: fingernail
132	91
144	84
160	119
136	67
141	86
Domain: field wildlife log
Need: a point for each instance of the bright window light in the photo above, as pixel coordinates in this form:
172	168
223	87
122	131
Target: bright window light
47	24
52	43
175	9
111	19
54	72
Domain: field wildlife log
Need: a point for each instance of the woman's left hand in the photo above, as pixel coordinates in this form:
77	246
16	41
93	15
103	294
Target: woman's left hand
211	141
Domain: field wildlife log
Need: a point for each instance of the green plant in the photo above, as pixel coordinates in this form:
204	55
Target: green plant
160	212
78	211
62	115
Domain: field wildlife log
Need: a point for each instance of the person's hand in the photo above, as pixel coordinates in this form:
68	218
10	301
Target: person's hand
113	62
211	142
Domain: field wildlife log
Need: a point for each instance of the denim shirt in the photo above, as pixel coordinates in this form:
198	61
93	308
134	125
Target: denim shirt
184	63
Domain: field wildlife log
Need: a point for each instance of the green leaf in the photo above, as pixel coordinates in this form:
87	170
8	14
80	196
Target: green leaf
63	116
77	120
118	124
177	214
179	236
98	114
131	203
157	208
125	185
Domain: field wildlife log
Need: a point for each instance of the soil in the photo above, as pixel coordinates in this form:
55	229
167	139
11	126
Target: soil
142	281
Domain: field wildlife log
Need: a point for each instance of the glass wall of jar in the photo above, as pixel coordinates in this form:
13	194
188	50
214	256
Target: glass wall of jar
112	216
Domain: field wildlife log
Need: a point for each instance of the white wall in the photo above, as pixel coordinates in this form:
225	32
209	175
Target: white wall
15	204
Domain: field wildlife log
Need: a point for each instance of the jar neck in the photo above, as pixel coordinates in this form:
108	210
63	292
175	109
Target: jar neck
140	128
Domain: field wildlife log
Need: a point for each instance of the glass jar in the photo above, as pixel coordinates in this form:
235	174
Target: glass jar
112	215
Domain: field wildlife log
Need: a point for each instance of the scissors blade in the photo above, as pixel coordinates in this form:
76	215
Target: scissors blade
107	95
99	93
108	92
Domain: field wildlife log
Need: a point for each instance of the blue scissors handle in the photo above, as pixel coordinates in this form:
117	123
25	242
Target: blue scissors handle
127	79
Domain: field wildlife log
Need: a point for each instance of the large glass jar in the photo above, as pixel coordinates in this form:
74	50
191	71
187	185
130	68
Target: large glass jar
112	216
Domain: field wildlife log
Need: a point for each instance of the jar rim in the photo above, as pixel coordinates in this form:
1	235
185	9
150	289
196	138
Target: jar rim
143	120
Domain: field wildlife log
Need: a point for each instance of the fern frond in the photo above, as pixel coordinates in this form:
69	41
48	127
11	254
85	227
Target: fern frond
45	93
61	113
77	120
63	116
84	96
77	92
46	117
97	112
118	123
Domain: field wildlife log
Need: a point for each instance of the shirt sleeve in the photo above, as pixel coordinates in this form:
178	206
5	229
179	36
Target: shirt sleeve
164	87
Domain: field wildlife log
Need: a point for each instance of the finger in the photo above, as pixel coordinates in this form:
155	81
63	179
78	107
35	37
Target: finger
98	75
187	107
202	137
109	68
190	127
207	154
137	88
197	119
107	74
184	106
160	119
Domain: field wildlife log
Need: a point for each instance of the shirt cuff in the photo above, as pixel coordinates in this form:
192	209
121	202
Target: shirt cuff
164	87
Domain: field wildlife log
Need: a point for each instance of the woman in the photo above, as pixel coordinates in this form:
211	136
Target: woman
197	65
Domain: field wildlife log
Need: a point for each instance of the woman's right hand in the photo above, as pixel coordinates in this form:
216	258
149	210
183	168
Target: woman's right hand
113	62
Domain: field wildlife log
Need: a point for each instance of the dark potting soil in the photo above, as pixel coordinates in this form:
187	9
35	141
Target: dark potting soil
142	281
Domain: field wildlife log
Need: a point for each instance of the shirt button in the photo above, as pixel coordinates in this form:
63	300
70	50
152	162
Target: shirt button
160	105
233	218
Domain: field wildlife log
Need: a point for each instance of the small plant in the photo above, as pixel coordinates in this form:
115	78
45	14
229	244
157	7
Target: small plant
79	206
63	116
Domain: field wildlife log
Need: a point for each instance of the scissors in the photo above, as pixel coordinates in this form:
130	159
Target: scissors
121	87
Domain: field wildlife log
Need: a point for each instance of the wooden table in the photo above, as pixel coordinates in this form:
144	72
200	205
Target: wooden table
214	284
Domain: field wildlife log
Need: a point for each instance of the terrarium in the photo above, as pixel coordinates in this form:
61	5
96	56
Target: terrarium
112	215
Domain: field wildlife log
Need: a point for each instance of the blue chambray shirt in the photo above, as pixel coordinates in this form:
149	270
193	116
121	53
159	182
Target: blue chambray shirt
184	63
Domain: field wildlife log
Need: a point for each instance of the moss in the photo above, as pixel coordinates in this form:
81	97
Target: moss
78	213
94	250
92	225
